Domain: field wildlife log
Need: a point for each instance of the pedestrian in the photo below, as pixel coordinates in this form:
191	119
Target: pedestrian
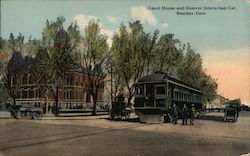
192	114
174	114
184	114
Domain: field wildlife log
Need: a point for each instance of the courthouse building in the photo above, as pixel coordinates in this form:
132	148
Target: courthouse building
73	93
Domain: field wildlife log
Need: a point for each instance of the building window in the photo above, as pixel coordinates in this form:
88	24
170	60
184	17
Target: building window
88	97
82	95
31	93
76	80
71	94
36	93
65	94
40	94
25	79
19	94
14	80
71	80
24	94
68	80
81	81
31	79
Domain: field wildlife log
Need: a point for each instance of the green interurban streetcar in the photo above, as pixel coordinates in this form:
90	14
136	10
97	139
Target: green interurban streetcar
156	94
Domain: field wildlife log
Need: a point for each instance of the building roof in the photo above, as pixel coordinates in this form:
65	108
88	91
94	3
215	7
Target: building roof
62	39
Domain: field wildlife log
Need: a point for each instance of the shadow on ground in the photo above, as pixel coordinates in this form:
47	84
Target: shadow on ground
212	118
126	120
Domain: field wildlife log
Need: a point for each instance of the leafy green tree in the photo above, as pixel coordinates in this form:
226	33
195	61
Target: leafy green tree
95	58
74	34
4	58
168	53
32	46
148	43
209	86
59	58
114	83
9	68
50	30
11	79
191	71
16	44
39	72
3	44
132	50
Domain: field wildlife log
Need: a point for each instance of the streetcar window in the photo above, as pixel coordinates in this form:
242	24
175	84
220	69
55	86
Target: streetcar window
160	90
175	95
139	91
179	96
199	99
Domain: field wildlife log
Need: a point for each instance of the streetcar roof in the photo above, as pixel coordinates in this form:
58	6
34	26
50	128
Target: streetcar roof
164	78
153	78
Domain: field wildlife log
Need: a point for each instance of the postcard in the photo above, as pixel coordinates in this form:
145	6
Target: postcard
125	77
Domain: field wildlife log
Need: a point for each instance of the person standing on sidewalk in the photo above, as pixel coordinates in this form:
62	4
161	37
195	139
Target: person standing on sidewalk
184	114
192	114
174	114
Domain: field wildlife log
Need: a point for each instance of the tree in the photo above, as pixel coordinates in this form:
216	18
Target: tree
9	68
208	86
59	62
117	84
148	42
95	58
168	53
40	74
4	57
32	46
60	58
74	35
16	44
11	79
191	71
3	44
50	30
132	50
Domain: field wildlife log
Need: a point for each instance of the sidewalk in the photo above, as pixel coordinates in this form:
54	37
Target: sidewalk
4	115
73	117
63	116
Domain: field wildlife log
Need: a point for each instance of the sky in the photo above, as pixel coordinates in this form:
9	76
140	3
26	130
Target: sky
222	37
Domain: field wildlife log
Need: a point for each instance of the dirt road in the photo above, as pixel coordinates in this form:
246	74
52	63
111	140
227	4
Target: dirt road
100	136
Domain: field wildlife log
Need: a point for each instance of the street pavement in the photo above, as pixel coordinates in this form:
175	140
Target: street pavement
97	135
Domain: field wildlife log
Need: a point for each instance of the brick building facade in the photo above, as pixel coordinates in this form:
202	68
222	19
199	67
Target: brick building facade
73	91
73	94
